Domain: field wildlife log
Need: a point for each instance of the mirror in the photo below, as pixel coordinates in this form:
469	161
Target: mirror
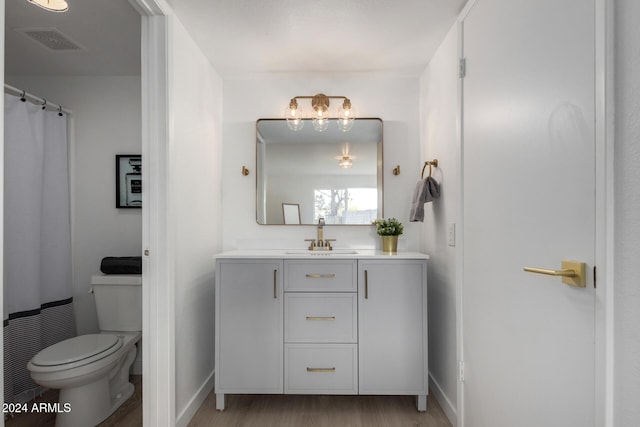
332	174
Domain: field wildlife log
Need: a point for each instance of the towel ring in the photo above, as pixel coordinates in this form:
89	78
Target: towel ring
431	163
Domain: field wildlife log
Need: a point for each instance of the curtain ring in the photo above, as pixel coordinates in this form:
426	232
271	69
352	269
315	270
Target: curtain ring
44	103
22	96
60	111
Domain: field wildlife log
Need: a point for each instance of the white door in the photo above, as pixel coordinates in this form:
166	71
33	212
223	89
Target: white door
529	200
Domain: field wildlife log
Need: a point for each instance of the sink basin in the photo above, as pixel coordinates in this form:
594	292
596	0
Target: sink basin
321	253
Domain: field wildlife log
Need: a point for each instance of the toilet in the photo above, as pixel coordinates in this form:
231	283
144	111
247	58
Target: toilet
92	371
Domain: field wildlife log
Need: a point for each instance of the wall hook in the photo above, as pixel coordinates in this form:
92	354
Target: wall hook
396	170
245	171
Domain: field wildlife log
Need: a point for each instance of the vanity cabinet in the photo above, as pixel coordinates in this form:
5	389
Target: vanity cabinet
249	327
320	325
392	328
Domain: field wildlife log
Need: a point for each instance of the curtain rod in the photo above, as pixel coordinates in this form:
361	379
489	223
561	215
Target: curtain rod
36	99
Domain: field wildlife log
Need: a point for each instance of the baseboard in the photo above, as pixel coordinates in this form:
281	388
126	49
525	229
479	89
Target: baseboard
446	405
194	404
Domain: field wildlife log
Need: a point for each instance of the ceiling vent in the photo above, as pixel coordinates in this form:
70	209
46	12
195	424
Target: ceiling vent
51	38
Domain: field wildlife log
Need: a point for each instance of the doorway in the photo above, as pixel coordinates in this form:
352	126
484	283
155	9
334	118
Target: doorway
158	397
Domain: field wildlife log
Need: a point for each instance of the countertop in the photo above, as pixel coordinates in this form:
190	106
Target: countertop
306	254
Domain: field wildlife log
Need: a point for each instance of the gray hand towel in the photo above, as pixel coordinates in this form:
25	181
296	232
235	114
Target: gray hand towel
417	202
426	190
432	189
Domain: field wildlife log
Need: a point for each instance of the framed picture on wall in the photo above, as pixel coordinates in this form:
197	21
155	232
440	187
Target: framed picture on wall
128	181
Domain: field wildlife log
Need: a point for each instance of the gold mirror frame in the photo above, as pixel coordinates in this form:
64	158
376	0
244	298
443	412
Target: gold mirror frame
269	212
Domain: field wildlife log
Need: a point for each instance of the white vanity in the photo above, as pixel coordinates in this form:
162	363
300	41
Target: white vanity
299	322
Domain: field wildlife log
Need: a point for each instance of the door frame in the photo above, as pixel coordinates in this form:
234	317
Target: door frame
604	215
2	18
158	311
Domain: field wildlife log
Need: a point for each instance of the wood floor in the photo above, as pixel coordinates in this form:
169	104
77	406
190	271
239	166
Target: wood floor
319	411
127	415
273	411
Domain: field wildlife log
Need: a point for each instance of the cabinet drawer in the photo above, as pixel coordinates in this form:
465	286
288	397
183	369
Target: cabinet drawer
320	317
320	276
321	368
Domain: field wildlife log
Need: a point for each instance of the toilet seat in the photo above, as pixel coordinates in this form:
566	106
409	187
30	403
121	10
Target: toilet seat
77	351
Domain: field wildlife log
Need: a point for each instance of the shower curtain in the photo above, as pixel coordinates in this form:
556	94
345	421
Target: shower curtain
38	310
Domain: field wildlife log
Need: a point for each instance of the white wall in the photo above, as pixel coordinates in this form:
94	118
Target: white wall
627	214
438	121
393	99
195	188
106	114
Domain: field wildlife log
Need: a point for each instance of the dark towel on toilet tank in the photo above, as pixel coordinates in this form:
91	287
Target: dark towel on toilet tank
121	265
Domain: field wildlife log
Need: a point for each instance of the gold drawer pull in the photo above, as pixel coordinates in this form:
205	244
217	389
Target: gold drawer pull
321	318
321	276
321	369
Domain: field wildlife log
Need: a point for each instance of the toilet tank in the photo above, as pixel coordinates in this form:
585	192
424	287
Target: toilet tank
118	301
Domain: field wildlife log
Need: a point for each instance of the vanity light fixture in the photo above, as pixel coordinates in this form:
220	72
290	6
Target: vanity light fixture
51	5
345	116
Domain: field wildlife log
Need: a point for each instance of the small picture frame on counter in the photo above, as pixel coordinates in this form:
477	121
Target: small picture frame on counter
128	181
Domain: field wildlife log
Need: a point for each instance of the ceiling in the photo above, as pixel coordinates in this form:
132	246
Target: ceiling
107	31
241	38
310	37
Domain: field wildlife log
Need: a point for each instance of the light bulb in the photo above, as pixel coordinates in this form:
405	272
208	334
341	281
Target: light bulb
346	116
320	122
293	114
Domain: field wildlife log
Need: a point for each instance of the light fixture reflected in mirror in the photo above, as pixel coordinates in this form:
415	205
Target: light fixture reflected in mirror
345	115
345	162
51	5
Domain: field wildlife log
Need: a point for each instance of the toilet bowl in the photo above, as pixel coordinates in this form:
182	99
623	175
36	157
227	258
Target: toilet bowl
92	373
92	370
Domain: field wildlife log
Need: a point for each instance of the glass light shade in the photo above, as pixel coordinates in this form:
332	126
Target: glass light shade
51	5
294	118
346	118
320	123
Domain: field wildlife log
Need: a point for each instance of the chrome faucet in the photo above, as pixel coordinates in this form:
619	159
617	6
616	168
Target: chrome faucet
321	244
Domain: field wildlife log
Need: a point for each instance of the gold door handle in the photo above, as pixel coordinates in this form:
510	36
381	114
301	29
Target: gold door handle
572	273
321	276
321	369
321	318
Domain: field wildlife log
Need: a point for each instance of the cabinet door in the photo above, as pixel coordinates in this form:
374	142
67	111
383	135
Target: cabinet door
392	318
249	326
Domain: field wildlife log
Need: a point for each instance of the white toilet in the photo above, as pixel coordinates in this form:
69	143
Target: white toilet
92	371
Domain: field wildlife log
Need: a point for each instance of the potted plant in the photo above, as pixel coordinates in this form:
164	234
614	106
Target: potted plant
389	229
